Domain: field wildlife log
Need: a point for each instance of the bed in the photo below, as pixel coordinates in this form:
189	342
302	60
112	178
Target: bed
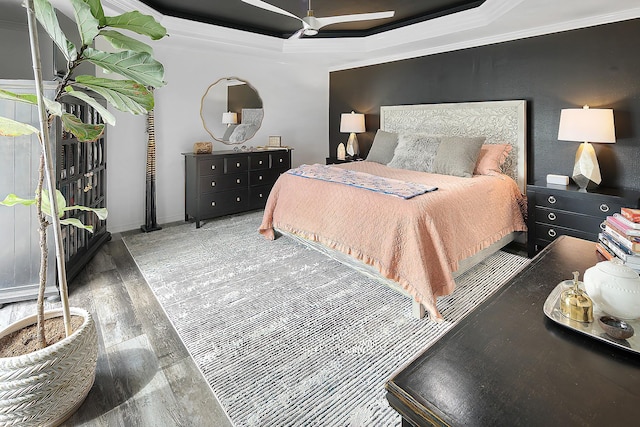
420	243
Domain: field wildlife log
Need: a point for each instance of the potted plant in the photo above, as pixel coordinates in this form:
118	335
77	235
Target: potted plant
46	385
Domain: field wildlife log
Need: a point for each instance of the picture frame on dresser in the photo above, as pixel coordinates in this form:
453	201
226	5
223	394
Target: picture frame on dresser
559	210
229	181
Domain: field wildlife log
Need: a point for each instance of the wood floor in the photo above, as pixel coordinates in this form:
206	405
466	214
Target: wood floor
145	376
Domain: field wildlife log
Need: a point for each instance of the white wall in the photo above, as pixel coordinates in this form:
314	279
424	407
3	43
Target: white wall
296	105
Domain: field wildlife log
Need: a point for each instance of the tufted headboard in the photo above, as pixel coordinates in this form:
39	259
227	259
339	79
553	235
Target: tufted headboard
500	122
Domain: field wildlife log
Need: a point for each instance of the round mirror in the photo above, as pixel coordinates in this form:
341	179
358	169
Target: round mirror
231	110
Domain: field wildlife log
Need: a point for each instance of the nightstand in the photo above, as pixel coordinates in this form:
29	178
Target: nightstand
555	210
335	160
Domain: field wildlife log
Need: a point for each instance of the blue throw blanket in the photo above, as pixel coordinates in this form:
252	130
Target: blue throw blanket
379	184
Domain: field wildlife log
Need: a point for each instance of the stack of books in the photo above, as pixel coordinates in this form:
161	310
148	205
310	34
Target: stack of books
620	238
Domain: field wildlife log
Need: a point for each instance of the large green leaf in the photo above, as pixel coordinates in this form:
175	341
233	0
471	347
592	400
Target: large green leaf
12	200
9	127
125	95
46	205
138	66
87	23
96	11
84	132
138	23
121	41
101	213
49	21
53	107
106	115
18	97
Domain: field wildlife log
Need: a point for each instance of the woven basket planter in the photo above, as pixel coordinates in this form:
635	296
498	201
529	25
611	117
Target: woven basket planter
47	386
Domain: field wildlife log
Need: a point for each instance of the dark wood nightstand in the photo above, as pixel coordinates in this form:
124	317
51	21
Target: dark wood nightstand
335	160
556	210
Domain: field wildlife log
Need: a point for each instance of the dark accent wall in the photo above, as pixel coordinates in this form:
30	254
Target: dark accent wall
598	66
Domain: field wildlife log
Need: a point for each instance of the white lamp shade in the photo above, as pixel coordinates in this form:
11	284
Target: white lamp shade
229	118
352	122
587	125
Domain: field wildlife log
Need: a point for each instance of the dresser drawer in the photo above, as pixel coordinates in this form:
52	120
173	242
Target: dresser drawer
223	182
554	217
596	205
258	196
210	166
548	233
223	202
259	161
236	164
263	177
280	159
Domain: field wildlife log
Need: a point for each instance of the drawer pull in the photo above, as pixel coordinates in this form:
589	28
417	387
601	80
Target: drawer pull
551	199
281	160
237	199
552	233
260	195
551	216
213	204
260	178
260	162
213	183
238	164
213	167
603	225
238	181
604	207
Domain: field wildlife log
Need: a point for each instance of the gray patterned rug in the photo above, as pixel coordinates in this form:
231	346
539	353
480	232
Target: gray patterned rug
286	336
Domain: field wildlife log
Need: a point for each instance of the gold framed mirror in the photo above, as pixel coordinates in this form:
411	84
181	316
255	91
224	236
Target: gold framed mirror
231	110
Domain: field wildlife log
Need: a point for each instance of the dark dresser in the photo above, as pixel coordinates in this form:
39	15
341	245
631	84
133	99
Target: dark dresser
555	210
227	182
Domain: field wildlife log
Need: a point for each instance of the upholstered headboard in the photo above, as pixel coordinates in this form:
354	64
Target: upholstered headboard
500	122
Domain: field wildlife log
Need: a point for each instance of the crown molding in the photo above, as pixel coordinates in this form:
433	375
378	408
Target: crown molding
487	24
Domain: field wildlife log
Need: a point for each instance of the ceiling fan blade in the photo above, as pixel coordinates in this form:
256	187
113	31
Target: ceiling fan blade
330	20
297	34
271	8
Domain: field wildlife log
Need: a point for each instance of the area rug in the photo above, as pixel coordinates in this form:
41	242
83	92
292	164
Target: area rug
286	336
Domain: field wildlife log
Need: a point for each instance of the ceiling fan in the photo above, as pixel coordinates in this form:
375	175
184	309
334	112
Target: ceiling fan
311	24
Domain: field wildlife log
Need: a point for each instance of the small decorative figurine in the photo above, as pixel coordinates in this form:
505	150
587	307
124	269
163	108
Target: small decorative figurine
202	148
575	304
341	152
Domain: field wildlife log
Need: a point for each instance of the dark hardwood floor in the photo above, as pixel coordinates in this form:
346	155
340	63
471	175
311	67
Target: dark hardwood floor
145	376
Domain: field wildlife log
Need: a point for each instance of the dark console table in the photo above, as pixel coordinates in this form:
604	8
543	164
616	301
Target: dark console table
507	364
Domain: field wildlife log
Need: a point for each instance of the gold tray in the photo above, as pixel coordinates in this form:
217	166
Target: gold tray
552	309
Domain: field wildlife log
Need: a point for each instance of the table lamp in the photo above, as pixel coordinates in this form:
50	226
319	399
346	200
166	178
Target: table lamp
352	123
229	118
586	125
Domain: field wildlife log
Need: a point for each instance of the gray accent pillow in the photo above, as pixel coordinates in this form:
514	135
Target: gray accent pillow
415	152
384	145
457	155
228	131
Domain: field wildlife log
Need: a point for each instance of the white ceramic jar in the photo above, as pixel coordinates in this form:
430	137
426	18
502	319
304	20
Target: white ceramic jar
615	288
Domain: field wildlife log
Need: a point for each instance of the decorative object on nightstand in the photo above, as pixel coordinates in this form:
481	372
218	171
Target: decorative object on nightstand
342	153
586	124
352	123
275	141
229	118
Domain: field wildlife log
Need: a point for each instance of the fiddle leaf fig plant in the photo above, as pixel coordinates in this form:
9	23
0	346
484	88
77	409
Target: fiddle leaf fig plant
131	59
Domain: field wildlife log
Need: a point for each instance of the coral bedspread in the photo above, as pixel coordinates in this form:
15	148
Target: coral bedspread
417	242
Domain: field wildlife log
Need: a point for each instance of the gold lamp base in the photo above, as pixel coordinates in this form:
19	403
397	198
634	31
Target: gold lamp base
586	169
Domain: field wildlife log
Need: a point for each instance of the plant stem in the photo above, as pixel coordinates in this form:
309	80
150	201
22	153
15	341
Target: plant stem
46	150
44	251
